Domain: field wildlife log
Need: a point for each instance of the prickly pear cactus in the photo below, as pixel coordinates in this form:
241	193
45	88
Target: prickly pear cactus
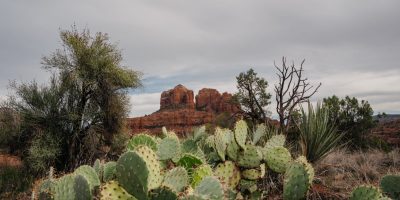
308	166
190	146
112	190
169	148
275	141
254	174
140	140
228	173
221	142
209	188
46	189
199	173
296	182
366	193
163	193
241	133
278	159
259	133
139	171
232	149
250	158
176	179
90	175
72	187
189	161
109	171
98	168
249	185
390	184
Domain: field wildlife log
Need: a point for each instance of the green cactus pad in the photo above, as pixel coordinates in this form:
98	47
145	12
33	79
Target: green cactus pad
249	185
90	174
72	187
390	184
278	159
221	142
254	174
210	141
232	149
112	190
190	146
199	133
366	193
199	173
98	167
228	173
189	161
142	139
209	188
296	182
275	141
176	179
152	164
169	148
309	167
163	193
250	158
139	171
241	133
109	171
82	188
259	133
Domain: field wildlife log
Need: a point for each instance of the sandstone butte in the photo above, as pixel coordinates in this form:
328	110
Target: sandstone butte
180	112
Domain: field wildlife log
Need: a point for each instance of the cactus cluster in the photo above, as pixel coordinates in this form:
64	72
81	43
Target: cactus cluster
389	185
226	165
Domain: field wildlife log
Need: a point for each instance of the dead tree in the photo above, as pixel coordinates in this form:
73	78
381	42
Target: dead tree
292	90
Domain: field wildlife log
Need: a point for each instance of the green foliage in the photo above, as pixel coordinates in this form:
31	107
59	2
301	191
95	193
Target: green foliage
199	173
251	157
82	108
352	117
142	139
390	184
228	173
9	125
90	175
169	148
72	187
278	158
209	188
252	95
296	182
241	133
43	152
176	179
109	171
318	136
13	181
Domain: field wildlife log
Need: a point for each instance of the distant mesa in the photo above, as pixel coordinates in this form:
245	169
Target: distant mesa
179	112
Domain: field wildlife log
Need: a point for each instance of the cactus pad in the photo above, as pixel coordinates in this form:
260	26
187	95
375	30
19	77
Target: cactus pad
241	133
390	185
296	181
176	179
109	171
278	158
72	187
163	193
366	193
142	139
189	161
249	185
228	173
112	190
221	142
249	158
90	175
308	166
275	141
199	173
209	188
259	133
254	174
169	148
232	150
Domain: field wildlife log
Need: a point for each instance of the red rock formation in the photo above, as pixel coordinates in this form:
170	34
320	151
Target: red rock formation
179	97
179	113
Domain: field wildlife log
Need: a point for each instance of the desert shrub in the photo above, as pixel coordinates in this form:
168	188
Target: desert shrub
318	136
353	118
13	181
43	153
9	125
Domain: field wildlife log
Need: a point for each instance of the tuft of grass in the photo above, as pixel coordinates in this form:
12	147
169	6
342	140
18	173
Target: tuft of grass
13	181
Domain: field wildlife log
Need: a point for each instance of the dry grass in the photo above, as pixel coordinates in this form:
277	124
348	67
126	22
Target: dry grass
341	171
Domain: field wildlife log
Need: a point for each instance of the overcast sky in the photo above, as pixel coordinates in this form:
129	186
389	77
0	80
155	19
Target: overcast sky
352	47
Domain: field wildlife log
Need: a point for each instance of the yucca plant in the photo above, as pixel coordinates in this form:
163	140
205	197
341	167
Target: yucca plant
318	137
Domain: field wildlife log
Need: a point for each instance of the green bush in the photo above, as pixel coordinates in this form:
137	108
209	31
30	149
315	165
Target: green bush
43	153
13	181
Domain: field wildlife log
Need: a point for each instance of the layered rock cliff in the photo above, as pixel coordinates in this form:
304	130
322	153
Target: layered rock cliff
179	112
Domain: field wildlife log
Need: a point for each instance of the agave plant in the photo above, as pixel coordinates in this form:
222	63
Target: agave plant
318	137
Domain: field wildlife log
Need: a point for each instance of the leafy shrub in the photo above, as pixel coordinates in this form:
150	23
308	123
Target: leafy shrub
43	153
318	136
13	181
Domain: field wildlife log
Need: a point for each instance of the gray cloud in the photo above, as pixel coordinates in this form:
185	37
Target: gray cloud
352	47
